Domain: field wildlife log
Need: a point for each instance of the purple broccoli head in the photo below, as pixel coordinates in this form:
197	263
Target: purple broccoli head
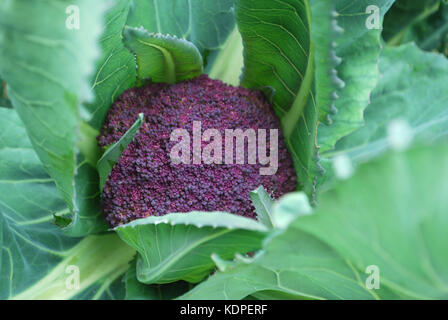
146	182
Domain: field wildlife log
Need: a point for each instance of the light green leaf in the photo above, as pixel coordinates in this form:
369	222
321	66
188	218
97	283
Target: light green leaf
227	63
392	214
292	265
116	69
163	58
35	254
262	202
136	290
178	246
46	66
291	206
113	153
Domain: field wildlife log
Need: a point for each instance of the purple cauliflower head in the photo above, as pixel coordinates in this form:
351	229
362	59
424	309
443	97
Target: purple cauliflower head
146	182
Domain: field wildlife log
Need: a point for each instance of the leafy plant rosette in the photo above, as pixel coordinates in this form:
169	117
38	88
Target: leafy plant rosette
364	121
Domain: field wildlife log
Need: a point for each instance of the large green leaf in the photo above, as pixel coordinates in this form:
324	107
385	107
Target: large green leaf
292	265
115	71
35	253
46	66
276	50
278	59
358	49
205	23
392	214
178	246
412	89
163	58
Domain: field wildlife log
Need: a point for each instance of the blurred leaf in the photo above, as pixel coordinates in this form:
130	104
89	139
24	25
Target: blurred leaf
292	265
178	246
422	22
413	90
4	100
116	69
35	253
46	66
403	15
392	214
113	153
163	58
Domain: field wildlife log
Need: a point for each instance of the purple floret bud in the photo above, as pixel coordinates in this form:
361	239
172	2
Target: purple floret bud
146	182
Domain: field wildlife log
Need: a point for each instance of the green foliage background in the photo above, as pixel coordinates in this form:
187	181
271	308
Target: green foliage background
336	86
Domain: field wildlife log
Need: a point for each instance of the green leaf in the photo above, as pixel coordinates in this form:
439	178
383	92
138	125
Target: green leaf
136	290
163	58
178	246
279	59
392	214
413	91
205	23
262	202
292	265
227	63
358	49
46	66
324	30
113	153
116	69
276	50
35	254
403	16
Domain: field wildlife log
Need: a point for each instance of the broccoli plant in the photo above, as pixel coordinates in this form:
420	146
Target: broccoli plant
231	149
